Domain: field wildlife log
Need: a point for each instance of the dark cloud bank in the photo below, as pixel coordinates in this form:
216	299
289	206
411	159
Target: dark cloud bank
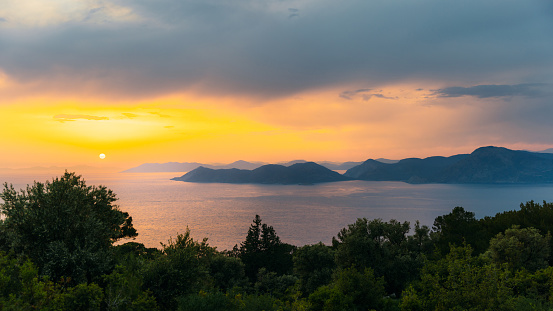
277	48
535	90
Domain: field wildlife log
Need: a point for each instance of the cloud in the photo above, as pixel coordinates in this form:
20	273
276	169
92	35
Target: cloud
75	117
350	94
129	115
142	48
363	93
159	114
487	91
293	12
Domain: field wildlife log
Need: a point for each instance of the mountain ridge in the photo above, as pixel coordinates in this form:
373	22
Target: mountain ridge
298	173
490	164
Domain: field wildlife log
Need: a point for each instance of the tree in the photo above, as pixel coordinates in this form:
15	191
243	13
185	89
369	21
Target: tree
313	264
460	282
64	226
181	270
520	248
263	249
350	290
381	246
456	228
531	214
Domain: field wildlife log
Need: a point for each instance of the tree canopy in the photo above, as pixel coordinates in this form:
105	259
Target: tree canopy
64	226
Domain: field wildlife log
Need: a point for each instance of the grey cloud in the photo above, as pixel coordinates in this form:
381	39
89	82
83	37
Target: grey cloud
75	117
363	93
350	94
293	12
252	47
487	91
92	12
368	96
3	20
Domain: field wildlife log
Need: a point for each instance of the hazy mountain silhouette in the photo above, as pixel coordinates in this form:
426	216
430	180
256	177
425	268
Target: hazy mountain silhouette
299	173
189	166
244	165
484	165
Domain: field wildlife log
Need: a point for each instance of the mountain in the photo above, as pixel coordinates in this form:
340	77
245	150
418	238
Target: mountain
289	163
299	173
339	165
412	170
189	166
483	165
388	161
243	165
501	165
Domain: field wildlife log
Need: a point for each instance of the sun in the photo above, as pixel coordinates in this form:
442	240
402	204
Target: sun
102	156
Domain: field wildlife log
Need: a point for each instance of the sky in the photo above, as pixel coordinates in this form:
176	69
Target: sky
219	81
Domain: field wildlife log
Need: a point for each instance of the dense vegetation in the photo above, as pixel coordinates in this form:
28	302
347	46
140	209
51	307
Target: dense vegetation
57	252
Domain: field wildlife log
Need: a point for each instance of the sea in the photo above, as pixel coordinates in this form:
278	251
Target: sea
300	214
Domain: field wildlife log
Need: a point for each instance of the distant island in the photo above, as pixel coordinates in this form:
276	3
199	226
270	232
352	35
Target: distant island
243	165
495	165
299	173
486	165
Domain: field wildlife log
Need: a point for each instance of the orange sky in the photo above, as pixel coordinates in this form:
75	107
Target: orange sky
315	125
141	82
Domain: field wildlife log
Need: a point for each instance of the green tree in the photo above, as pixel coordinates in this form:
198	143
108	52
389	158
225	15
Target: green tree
263	249
350	290
182	269
381	246
83	297
273	284
456	228
64	226
520	248
460	282
313	264
530	214
123	291
21	288
227	272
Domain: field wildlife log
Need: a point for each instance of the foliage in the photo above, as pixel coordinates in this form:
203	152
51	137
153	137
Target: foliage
270	283
263	249
350	290
530	214
457	228
217	301
60	237
83	297
183	269
381	246
20	286
227	272
520	248
460	282
64	226
123	291
313	264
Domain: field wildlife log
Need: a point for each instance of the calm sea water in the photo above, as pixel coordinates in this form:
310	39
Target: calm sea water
301	215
